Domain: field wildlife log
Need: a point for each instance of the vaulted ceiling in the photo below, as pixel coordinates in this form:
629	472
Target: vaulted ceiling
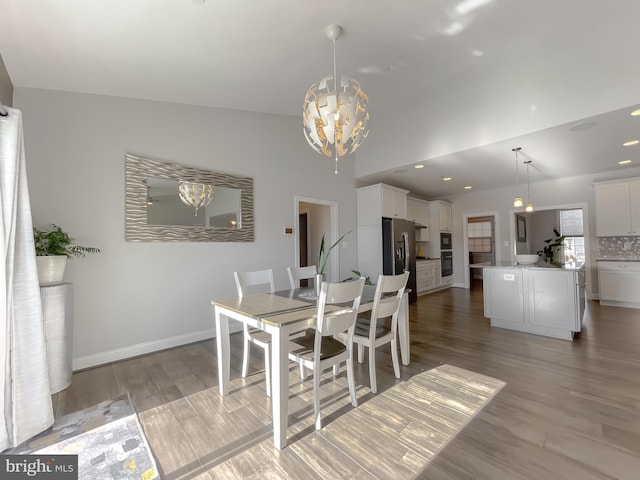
454	85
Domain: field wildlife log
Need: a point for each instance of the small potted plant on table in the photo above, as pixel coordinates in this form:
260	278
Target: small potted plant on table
53	248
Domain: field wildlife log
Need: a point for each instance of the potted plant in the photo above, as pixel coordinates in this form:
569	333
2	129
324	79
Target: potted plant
553	245
322	260
53	247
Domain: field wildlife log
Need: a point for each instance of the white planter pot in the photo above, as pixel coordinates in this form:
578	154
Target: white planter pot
51	269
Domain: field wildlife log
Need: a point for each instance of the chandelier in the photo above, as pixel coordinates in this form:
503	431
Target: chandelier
335	118
517	202
195	194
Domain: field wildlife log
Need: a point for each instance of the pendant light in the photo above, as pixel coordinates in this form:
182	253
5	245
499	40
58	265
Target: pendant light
335	119
529	206
195	194
517	202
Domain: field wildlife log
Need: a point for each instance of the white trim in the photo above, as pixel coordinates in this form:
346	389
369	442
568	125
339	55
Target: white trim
334	259
465	245
144	348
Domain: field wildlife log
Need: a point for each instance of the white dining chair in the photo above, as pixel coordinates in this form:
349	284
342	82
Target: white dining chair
301	273
372	333
259	281
322	349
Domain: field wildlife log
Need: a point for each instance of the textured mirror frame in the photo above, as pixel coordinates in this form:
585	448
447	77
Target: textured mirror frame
138	169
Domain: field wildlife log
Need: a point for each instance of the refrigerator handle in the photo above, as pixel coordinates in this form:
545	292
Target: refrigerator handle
405	243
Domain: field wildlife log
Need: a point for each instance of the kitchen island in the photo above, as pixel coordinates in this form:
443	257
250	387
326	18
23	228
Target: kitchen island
540	298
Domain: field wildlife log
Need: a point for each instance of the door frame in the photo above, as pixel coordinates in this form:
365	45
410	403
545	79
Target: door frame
331	233
465	233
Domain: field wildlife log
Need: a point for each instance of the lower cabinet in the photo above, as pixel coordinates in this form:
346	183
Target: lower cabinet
428	276
619	283
544	301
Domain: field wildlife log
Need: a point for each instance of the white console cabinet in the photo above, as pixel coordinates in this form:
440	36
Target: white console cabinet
57	315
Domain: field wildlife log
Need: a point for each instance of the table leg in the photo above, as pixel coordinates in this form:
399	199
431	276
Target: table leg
280	386
222	349
403	330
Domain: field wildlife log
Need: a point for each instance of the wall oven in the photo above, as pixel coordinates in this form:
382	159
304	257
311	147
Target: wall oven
446	263
445	241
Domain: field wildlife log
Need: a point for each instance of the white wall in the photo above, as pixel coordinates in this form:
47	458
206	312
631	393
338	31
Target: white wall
138	297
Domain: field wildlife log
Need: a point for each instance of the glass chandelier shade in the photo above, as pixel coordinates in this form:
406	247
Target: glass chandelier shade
195	194
335	120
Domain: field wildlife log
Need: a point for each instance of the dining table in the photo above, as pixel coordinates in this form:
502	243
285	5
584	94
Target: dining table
281	314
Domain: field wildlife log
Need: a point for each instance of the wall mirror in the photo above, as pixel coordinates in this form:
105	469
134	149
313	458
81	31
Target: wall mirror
155	212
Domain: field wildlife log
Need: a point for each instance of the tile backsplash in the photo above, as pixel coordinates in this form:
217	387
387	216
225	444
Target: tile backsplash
618	246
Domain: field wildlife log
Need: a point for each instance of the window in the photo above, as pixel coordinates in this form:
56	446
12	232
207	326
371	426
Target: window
571	227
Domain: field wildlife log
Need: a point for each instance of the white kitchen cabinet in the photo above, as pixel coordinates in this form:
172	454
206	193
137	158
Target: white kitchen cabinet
394	202
418	212
380	200
618	207
428	276
619	284
445	216
544	301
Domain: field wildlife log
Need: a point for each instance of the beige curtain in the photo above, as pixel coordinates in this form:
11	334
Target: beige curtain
25	406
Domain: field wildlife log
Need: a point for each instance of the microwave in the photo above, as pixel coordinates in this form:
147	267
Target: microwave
445	241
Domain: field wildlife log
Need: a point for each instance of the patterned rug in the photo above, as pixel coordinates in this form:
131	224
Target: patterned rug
107	438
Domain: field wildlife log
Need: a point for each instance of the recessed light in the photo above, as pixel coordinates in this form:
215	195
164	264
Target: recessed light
468	187
630	142
635	113
624	162
419	166
446	179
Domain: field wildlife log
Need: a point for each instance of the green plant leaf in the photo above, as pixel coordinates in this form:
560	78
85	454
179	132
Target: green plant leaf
322	256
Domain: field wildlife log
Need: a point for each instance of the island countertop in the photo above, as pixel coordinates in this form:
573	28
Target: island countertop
539	265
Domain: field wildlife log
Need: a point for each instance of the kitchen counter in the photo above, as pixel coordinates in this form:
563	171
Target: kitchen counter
539	265
618	259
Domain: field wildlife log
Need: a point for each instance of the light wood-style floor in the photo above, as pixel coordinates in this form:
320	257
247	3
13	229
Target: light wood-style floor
569	410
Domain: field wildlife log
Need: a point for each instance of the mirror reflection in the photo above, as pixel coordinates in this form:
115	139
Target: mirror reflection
157	210
165	207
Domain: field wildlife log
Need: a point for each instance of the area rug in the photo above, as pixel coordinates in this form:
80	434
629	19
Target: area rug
107	438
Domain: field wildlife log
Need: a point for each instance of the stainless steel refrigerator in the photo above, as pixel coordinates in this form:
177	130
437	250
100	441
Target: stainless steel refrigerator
399	251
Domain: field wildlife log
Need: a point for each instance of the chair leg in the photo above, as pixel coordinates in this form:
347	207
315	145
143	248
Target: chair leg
372	369
394	358
303	372
336	370
360	353
267	369
245	355
316	397
351	381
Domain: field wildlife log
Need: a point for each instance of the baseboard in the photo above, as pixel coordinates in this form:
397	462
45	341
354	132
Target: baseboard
88	361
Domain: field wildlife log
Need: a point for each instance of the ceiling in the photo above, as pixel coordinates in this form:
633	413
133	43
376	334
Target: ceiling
262	56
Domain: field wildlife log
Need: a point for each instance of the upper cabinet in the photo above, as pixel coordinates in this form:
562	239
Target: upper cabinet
380	200
418	212
618	207
440	215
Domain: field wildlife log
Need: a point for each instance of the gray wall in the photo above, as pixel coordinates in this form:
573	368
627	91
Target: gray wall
6	87
137	297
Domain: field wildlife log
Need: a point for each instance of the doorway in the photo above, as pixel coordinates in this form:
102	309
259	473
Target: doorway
313	219
481	239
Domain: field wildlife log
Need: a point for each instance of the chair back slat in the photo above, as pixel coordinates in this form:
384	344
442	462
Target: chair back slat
347	295
299	273
258	281
388	296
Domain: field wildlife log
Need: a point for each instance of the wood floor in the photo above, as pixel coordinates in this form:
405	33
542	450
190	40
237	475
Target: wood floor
569	410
